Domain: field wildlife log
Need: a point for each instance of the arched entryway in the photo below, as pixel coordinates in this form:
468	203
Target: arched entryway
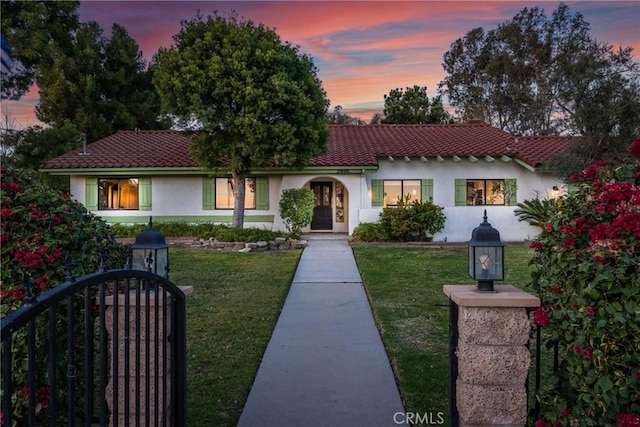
331	205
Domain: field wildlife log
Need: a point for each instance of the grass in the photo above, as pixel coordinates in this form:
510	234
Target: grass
238	298
230	318
405	290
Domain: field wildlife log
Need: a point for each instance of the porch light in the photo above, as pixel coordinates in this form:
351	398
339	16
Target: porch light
486	255
150	252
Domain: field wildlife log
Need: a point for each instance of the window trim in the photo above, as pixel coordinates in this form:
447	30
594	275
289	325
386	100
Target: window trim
246	184
461	191
143	196
402	181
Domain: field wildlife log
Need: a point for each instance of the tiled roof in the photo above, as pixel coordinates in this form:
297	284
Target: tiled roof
130	149
347	146
535	150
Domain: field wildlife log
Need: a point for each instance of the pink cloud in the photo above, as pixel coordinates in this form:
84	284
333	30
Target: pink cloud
363	49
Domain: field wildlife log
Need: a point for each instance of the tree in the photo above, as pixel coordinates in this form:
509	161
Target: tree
100	85
35	145
412	106
35	31
256	102
546	75
338	117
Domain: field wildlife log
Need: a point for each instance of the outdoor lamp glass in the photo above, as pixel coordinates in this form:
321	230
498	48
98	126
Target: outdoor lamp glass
486	255
150	252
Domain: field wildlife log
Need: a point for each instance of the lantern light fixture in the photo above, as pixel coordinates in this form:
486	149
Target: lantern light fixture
486	255
150	252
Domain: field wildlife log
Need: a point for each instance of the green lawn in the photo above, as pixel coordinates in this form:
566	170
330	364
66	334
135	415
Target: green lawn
405	289
230	318
238	298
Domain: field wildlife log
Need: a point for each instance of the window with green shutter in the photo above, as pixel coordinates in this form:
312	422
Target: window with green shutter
491	192
208	193
91	193
262	193
118	193
144	193
377	193
427	190
224	195
461	192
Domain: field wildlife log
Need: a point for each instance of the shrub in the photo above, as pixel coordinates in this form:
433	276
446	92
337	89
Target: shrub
588	277
222	232
369	232
296	210
536	212
417	221
40	228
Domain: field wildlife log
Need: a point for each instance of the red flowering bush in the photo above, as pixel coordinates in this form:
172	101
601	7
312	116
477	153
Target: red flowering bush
39	229
588	277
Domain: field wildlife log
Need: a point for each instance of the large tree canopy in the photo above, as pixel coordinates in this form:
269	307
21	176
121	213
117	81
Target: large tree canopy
412	106
35	31
254	100
100	85
546	75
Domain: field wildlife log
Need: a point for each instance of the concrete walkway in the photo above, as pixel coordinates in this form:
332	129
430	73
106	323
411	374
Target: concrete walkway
325	364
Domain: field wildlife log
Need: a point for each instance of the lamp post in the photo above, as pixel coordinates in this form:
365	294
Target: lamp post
150	252
486	255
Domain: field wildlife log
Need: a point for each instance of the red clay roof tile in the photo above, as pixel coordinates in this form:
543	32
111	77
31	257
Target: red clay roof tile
347	146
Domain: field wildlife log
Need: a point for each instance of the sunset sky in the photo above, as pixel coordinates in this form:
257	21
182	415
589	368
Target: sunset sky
362	49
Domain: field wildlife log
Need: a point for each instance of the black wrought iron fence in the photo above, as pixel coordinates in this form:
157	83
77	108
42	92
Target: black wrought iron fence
546	362
105	348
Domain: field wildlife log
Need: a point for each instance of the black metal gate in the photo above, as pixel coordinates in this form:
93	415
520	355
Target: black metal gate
105	348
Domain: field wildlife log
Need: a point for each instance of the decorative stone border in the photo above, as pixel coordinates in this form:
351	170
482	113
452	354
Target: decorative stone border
279	243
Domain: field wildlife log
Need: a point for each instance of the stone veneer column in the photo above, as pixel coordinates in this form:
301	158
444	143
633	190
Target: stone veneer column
493	360
128	333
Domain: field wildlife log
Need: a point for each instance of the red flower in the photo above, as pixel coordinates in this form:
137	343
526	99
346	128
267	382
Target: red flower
628	420
540	317
541	423
566	412
6	212
635	148
556	289
578	348
591	311
588	352
536	246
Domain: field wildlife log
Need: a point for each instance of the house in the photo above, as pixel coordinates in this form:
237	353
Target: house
465	168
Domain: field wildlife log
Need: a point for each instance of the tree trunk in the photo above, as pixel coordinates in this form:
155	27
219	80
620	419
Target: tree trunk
238	195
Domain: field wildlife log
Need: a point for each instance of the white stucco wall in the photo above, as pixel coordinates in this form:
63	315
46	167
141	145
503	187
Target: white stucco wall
180	197
461	220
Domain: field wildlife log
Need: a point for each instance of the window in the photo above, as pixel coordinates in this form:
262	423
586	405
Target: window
424	190
118	193
224	193
485	192
399	189
478	192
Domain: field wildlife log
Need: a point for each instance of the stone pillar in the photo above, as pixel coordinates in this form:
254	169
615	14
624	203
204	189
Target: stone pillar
158	343
493	361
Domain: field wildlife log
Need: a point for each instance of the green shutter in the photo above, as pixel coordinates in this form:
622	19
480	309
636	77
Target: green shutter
427	190
144	194
208	193
461	192
511	188
377	193
91	193
262	193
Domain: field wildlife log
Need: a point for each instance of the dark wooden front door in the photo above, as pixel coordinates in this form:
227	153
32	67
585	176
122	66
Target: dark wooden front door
322	213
